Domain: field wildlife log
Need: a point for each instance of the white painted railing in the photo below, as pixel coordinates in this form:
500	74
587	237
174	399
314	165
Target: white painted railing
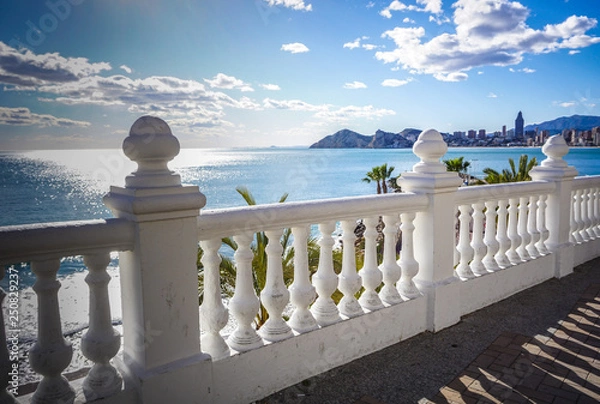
501	238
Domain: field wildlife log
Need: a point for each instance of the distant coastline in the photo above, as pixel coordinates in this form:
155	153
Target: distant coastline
578	130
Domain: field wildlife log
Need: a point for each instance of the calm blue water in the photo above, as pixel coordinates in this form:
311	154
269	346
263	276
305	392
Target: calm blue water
49	186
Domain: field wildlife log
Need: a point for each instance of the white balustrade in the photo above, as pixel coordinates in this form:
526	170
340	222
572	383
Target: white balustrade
522	228
349	280
493	233
389	267
502	237
101	341
541	225
51	354
325	279
465	250
370	273
513	235
244	304
408	264
275	296
477	244
302	292
213	314
490	240
532	229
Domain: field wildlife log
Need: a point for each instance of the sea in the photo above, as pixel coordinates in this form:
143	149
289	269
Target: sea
61	185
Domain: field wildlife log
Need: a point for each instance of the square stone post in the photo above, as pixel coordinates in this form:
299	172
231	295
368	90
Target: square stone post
159	282
434	235
559	203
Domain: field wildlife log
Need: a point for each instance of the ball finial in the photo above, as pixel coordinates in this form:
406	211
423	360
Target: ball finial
555	149
151	145
430	148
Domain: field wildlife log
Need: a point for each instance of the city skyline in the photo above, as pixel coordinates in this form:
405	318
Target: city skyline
77	73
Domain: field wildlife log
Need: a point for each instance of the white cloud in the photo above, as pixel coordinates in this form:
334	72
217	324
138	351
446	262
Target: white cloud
24	117
295	47
355	85
527	70
356	44
492	95
395	82
228	83
429	6
352	45
353	112
294	105
25	68
567	104
394	6
271	87
407	20
293	4
487	33
126	69
329	112
574	52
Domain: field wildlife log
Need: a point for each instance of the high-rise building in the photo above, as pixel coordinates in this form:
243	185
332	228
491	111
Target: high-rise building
503	130
519	125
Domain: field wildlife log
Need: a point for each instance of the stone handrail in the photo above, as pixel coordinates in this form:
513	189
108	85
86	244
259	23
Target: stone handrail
42	241
226	222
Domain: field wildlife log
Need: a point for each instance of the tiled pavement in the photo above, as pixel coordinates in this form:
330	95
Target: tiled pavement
561	368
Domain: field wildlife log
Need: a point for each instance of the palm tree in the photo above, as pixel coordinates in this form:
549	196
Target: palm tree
386	175
380	175
374	175
459	165
514	174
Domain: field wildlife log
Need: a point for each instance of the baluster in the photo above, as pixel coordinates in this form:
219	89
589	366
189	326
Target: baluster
513	235
573	224
302	292
244	304
584	216
456	257
325	280
101	342
51	354
541	224
350	281
275	296
589	217
490	236
522	228
503	240
464	244
578	223
370	273
6	368
409	266
596	209
532	228
213	314
479	248
390	268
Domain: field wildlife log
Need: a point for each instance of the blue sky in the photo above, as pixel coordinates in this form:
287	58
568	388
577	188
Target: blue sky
77	73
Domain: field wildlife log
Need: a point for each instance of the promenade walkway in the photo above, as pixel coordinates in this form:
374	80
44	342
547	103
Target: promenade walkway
539	346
